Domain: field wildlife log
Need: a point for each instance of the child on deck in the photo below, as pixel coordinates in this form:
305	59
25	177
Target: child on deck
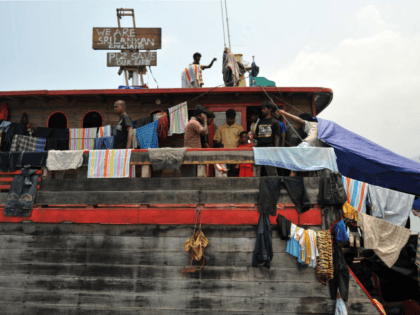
245	141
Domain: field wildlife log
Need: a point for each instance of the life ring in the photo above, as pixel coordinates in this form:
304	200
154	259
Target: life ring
4	111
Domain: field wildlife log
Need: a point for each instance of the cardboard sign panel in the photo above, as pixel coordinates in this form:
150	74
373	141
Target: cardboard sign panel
142	58
110	38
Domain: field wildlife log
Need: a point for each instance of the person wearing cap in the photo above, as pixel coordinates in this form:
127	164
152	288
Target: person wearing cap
268	132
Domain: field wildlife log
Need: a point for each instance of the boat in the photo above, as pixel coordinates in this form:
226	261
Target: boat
116	246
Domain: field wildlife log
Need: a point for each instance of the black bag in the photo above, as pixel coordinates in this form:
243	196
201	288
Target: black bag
331	188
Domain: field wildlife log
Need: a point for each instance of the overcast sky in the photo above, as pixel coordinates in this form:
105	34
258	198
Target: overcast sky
368	52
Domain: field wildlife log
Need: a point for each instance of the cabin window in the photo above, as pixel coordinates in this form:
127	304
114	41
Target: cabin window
57	120
92	119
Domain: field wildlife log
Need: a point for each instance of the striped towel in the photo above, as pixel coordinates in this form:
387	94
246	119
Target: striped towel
109	163
356	193
233	65
191	74
104	131
82	138
178	116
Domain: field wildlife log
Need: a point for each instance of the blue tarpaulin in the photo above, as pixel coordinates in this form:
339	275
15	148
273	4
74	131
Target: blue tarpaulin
366	161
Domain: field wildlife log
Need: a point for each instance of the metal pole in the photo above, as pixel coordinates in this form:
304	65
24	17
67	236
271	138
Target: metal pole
223	23
227	26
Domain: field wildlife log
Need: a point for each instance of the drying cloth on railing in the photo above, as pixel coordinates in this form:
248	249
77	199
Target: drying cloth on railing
34	159
297	159
263	251
109	163
356	193
190	77
178	117
64	160
135	142
104	131
82	138
386	239
147	136
163	128
390	205
170	159
26	143
106	143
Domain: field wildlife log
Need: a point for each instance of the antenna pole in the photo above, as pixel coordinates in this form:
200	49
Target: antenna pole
227	25
223	23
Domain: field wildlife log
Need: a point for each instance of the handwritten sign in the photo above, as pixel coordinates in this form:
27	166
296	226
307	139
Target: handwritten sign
127	38
141	58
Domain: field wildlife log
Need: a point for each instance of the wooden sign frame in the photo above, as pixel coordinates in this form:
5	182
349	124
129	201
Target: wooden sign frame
114	38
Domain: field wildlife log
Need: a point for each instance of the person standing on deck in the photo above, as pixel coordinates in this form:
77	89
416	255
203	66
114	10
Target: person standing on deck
192	134
228	135
197	58
277	115
268	132
255	119
124	137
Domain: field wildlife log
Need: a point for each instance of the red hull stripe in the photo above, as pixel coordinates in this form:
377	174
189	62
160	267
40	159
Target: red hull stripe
159	216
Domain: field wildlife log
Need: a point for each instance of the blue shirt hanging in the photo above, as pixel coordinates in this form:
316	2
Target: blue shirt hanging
147	136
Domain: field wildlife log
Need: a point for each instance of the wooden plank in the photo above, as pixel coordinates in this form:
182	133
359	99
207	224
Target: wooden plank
158	258
123	243
142	58
157	302
159	272
197	302
179	287
30	308
171	184
109	38
60	230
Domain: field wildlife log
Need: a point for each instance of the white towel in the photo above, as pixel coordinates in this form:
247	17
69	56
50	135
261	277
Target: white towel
64	160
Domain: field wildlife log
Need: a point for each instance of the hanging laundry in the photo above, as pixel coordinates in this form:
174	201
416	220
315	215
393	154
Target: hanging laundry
82	138
178	116
270	192
341	278
11	130
44	132
297	159
26	143
220	170
385	238
163	128
64	160
331	189
106	143
15	161
4	125
293	247
309	250
104	131
147	136
263	251
135	144
340	306
34	159
190	77
230	68
144	121
57	144
109	163
356	193
167	158
324	263
284	227
21	196
341	232
350	212
390	205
